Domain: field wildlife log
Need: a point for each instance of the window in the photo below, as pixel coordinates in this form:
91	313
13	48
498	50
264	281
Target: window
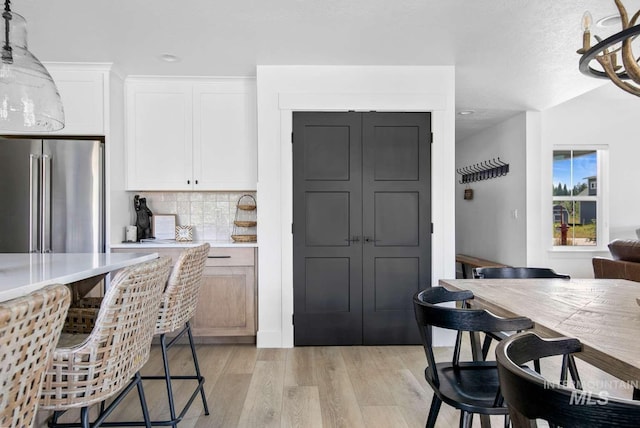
577	203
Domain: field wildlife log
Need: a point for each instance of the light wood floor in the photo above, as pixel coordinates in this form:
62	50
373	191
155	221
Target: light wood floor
376	386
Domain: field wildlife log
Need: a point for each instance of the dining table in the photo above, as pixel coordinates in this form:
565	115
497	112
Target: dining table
24	273
604	314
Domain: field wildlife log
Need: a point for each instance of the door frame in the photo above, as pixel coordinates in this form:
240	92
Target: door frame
282	89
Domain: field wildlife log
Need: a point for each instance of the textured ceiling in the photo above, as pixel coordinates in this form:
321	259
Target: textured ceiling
510	55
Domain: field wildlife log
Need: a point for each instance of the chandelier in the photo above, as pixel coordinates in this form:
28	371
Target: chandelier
613	54
29	99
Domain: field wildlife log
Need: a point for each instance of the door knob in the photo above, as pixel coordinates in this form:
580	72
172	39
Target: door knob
353	239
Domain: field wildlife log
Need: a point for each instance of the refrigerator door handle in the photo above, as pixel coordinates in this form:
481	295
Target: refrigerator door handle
45	207
34	203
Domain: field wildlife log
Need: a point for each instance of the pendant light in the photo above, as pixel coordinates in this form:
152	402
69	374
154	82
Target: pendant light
29	99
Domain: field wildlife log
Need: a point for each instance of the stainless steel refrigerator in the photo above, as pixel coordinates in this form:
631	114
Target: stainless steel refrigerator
52	196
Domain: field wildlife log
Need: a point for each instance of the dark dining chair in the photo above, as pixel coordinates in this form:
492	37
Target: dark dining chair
530	396
516	272
490	272
469	386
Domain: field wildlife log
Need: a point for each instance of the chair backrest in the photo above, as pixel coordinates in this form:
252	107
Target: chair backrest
118	345
534	397
180	297
429	314
29	331
516	272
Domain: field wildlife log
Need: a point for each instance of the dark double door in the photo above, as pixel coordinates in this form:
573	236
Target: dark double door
362	226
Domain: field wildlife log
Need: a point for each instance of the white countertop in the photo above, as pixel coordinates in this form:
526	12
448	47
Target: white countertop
166	243
21	274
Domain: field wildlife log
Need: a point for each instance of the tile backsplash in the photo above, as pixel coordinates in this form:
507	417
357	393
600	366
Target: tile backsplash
210	213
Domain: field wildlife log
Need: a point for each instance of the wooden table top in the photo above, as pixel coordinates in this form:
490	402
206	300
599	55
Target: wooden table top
602	313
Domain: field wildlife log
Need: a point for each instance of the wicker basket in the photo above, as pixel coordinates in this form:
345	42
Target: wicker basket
240	223
244	238
244	224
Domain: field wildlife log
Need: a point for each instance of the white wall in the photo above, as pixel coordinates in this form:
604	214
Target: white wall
117	200
493	224
283	89
606	116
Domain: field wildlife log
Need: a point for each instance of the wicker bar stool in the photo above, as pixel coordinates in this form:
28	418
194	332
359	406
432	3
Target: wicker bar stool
178	305
177	308
29	330
107	362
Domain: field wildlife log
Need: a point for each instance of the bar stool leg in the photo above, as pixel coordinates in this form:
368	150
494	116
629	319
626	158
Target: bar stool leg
197	366
143	401
84	417
167	378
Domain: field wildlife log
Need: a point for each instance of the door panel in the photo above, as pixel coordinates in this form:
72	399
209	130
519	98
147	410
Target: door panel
362	226
327	219
327	270
397	219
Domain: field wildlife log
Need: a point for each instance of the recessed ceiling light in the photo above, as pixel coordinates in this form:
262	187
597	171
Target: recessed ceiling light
166	57
609	21
466	112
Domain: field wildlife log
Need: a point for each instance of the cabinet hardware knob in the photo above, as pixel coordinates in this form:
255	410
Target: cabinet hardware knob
188	181
368	239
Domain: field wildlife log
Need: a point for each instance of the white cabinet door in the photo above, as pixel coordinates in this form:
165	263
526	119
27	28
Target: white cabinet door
159	135
224	135
82	94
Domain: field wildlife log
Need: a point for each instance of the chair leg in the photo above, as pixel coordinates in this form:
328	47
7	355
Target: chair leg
466	419
143	401
84	417
197	366
167	378
433	412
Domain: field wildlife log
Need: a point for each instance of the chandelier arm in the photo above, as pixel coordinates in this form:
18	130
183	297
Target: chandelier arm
630	64
606	64
624	17
593	53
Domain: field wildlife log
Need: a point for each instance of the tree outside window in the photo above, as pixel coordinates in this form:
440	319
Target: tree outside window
575	198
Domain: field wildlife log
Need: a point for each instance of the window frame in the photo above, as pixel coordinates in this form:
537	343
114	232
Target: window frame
601	198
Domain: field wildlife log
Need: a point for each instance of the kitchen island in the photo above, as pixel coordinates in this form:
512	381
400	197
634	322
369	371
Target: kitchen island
21	274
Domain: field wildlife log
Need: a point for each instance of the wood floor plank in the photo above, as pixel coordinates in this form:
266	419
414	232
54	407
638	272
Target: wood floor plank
338	401
301	407
370	387
299	370
383	417
272	354
226	400
263	404
242	359
409	394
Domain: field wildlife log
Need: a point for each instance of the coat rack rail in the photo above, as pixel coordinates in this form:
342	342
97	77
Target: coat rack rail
483	171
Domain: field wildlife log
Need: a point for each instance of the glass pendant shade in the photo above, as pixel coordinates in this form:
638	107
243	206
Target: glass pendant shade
29	99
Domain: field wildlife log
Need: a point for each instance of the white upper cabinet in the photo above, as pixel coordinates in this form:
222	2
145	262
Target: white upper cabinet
191	134
83	90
